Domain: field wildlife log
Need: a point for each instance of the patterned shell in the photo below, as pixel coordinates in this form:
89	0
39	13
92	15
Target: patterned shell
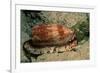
54	34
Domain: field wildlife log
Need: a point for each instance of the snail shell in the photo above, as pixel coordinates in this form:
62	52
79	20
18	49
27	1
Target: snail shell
49	35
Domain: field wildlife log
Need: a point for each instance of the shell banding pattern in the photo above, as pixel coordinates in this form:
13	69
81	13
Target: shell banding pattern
49	35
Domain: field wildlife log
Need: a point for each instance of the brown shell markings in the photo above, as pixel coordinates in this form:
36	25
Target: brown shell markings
48	35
